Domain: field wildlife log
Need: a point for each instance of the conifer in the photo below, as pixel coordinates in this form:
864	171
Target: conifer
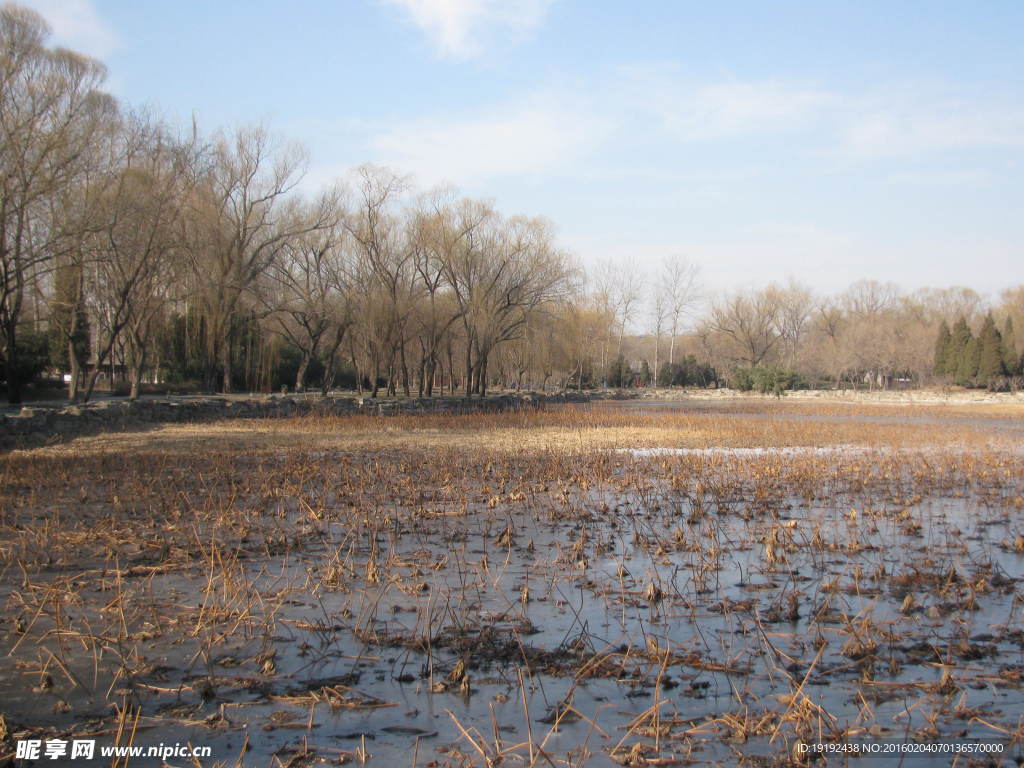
957	350
990	351
942	348
1010	360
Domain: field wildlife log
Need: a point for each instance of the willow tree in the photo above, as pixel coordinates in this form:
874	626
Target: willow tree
386	272
441	231
309	290
504	270
51	109
243	217
748	324
134	243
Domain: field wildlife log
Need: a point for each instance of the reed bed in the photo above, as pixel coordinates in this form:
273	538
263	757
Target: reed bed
517	589
763	423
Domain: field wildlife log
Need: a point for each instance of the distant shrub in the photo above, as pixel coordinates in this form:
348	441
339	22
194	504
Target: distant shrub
743	379
767	379
1005	384
687	373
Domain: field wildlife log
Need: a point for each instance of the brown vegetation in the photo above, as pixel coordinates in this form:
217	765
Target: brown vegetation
553	601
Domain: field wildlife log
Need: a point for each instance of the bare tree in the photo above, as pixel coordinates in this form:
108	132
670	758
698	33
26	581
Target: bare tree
243	219
949	303
310	289
68	321
828	322
680	280
748	322
438	231
795	303
50	110
502	271
869	297
387	265
626	297
603	282
618	288
133	249
660	316
585	318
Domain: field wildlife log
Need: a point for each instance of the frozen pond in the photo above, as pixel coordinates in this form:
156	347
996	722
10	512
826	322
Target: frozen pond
607	609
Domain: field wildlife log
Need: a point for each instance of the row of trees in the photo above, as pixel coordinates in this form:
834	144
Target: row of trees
981	360
143	253
871	334
131	252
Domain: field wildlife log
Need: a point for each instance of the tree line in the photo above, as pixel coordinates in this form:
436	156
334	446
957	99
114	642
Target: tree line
132	253
786	335
985	359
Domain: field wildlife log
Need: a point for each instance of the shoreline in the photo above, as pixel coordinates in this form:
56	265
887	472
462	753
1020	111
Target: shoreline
850	396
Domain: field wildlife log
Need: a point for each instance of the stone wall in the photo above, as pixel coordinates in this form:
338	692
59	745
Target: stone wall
39	426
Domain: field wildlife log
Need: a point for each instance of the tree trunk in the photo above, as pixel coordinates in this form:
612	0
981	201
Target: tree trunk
359	375
136	373
405	370
429	369
328	380
11	367
657	354
300	375
482	376
451	371
225	362
604	360
76	370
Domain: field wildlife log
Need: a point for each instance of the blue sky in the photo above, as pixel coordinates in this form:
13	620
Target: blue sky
828	141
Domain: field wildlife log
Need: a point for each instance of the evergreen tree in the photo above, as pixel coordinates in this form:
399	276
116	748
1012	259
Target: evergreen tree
645	373
620	374
957	349
990	351
967	367
665	375
942	348
1010	360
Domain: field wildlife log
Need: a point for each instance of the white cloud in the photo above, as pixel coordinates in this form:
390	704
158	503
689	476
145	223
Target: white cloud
552	129
630	130
690	110
77	25
912	120
464	28
529	137
886	120
735	108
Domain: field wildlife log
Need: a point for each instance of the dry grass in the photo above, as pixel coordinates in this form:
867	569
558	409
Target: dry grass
575	429
283	578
